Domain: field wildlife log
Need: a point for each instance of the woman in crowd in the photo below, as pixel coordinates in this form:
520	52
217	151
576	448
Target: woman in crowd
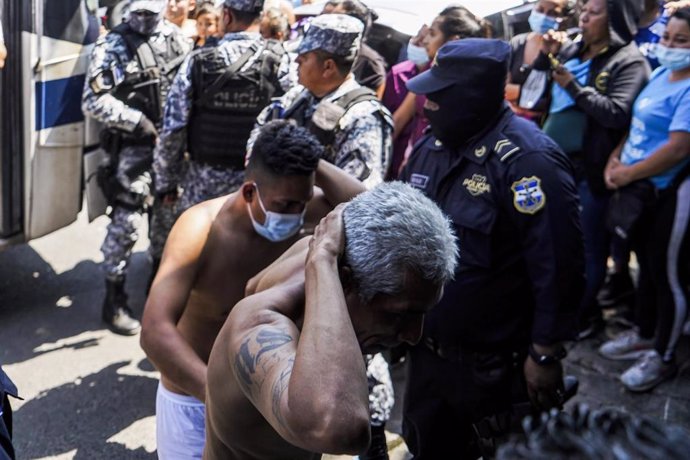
527	89
653	162
596	80
454	23
207	18
396	91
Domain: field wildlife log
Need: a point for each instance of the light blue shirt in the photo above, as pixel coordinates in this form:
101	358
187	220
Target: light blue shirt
662	107
560	99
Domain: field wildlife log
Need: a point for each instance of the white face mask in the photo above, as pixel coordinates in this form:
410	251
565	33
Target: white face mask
673	58
417	54
277	227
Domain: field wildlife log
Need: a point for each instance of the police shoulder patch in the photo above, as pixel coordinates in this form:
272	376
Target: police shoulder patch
528	196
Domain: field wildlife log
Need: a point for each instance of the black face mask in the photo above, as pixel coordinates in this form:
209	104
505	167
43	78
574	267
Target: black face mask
144	24
462	113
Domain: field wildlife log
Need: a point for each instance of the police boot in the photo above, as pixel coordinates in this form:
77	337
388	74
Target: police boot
116	313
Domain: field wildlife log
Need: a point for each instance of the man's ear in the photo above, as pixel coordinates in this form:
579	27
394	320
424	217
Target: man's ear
248	192
329	69
227	19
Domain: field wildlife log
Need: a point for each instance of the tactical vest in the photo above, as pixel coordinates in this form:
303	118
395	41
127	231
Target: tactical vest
228	101
326	124
147	89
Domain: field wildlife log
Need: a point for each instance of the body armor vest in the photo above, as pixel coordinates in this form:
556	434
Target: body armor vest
228	101
147	89
325	122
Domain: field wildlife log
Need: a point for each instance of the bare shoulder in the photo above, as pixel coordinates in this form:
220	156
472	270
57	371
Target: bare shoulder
196	221
262	340
288	267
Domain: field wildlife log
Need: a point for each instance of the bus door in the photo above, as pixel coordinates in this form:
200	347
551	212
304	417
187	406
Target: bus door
54	44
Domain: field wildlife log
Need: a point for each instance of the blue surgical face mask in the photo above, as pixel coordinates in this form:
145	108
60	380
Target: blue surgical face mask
417	54
277	227
673	58
541	23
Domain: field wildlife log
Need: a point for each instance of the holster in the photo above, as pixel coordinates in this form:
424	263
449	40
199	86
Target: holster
106	175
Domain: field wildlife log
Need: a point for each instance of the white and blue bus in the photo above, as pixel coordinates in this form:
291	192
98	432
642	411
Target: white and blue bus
43	134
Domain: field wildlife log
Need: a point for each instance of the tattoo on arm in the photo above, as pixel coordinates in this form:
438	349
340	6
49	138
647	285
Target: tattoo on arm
267	340
279	388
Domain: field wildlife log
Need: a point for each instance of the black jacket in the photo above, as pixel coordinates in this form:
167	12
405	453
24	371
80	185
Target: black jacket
615	79
511	197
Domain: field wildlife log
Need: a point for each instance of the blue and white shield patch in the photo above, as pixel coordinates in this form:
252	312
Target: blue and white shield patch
528	197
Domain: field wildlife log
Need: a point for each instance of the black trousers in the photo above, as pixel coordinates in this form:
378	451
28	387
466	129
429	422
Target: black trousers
6	449
444	400
662	245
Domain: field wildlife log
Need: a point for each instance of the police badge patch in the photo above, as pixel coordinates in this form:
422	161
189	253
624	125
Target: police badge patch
528	197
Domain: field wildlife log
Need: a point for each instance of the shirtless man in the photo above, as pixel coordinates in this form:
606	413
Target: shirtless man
286	376
213	250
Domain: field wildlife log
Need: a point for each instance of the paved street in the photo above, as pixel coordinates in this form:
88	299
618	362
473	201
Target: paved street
90	394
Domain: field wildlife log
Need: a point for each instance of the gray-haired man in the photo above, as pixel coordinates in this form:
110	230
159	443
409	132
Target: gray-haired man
286	377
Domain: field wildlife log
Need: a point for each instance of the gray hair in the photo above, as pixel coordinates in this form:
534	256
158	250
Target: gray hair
394	228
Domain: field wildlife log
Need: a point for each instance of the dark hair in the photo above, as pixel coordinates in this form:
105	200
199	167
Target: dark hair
458	20
244	17
284	149
343	63
359	10
597	434
683	13
206	8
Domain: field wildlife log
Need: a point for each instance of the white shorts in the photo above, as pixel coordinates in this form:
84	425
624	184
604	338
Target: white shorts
180	430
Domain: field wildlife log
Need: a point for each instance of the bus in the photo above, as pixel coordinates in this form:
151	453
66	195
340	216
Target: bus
43	133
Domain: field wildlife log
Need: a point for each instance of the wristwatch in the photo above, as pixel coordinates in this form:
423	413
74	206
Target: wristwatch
544	360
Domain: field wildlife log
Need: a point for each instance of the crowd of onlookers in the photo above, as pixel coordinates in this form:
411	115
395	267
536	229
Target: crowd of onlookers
607	81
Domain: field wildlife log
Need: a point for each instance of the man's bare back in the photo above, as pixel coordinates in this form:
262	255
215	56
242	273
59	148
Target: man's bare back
249	436
227	260
286	376
256	353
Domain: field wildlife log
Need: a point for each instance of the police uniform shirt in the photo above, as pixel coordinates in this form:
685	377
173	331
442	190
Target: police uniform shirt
109	64
514	205
363	142
167	163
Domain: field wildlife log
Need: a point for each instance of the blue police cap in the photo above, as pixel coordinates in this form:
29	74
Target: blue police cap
471	61
250	6
337	34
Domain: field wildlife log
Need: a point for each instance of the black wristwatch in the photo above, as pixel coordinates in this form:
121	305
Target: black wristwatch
545	360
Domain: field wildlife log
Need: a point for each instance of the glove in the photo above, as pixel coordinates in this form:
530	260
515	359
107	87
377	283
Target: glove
145	128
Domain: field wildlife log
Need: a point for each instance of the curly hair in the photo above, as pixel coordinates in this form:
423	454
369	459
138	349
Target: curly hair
284	149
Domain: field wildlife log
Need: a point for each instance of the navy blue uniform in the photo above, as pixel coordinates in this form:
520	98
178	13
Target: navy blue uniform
7	388
512	199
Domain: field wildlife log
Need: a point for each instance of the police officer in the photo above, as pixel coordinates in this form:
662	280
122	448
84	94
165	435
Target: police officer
7	388
493	343
212	106
347	118
128	79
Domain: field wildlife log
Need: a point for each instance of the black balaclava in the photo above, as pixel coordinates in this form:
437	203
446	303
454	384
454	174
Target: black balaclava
463	112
